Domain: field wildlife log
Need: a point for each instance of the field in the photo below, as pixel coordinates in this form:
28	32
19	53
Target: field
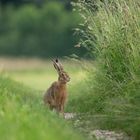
22	112
32	77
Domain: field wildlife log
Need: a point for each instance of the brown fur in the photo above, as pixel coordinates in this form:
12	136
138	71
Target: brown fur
55	96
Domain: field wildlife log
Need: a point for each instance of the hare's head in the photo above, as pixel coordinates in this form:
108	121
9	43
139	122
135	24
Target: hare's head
63	76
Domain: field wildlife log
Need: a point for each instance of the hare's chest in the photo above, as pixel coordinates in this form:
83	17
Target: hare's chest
61	92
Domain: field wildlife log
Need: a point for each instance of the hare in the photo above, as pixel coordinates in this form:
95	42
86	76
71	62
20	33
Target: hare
55	96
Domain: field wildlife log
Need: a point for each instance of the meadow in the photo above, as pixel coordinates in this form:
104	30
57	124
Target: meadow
22	113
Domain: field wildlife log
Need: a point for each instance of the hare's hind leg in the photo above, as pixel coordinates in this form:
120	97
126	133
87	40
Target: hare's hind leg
49	105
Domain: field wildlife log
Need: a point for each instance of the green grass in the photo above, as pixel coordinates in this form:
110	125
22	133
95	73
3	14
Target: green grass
23	115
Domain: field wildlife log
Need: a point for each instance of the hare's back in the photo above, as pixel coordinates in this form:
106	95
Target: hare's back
49	94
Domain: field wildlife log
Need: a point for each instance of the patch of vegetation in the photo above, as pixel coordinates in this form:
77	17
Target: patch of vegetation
23	116
111	33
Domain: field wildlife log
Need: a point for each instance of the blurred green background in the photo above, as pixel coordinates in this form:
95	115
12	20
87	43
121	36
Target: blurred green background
41	28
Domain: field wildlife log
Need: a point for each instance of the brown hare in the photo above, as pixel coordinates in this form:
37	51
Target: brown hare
55	96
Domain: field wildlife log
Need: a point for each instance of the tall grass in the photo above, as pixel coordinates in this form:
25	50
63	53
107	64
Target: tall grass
111	32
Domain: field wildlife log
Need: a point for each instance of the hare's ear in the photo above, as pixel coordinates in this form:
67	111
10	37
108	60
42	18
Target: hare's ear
57	65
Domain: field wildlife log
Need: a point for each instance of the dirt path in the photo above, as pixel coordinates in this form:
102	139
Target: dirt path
95	133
